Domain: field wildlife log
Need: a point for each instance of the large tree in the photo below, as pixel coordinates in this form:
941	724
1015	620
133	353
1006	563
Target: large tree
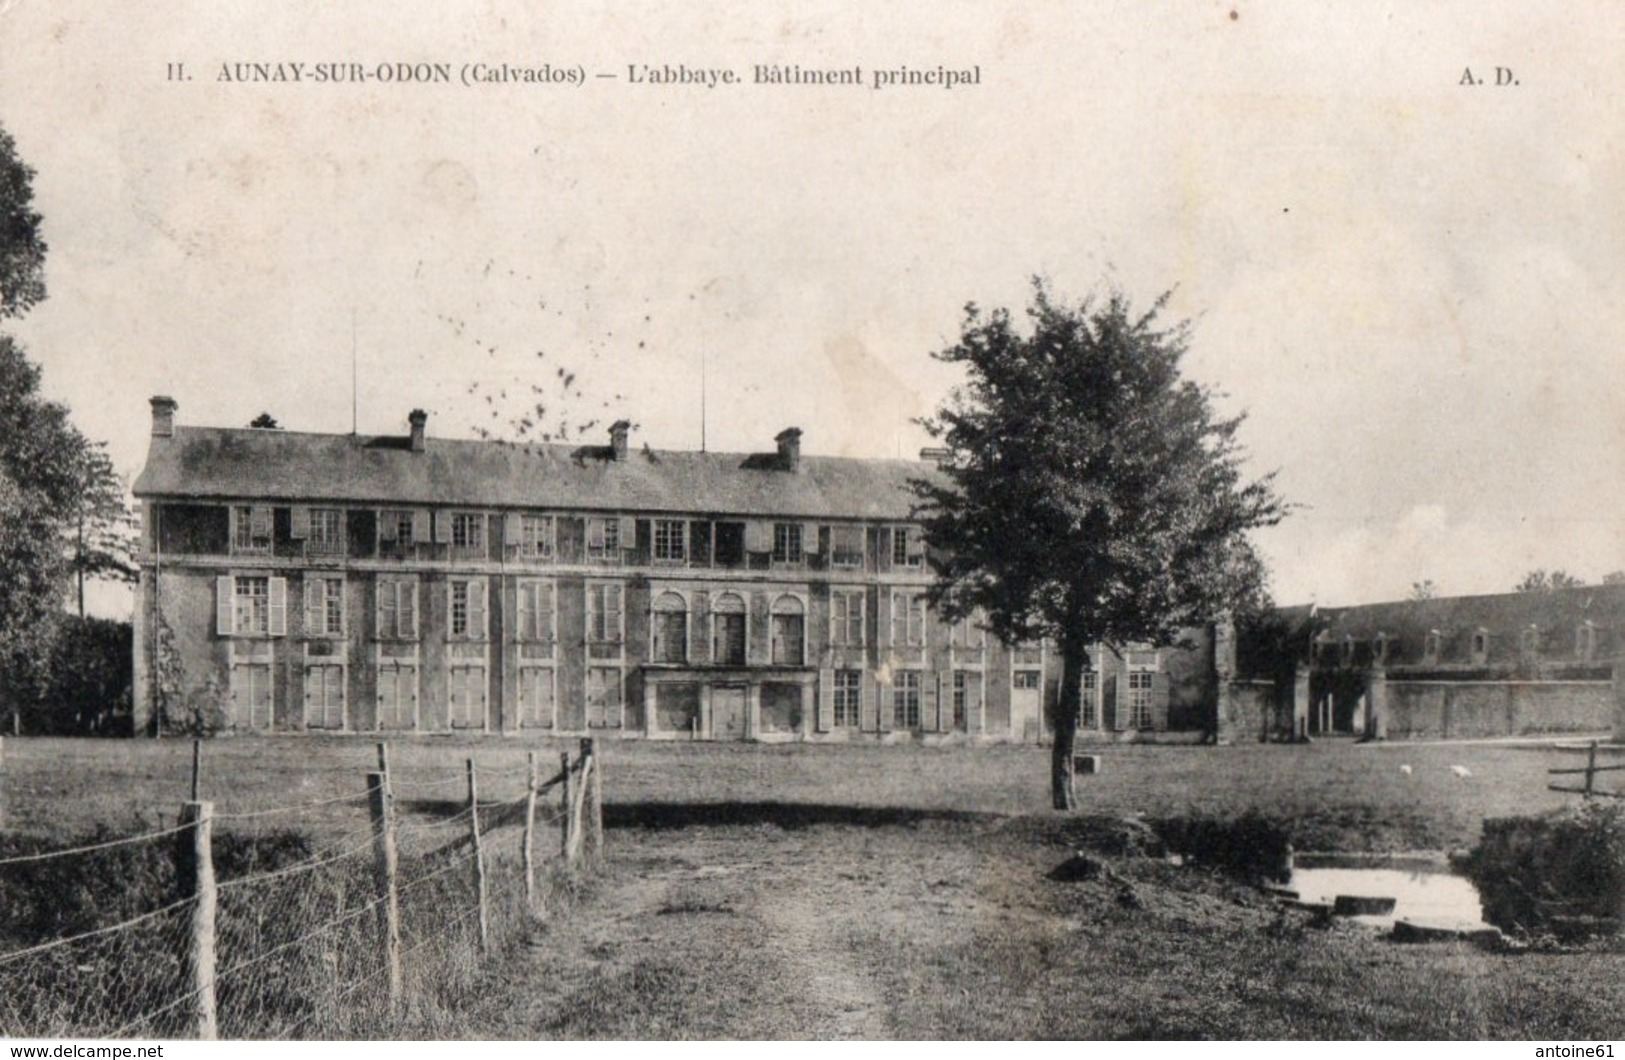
1090	493
22	249
1538	581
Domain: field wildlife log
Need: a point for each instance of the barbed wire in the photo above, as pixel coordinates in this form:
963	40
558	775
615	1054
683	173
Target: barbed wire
304	807
304	866
93	847
11	956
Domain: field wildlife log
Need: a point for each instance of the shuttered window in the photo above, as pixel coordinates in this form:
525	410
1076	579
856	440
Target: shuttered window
848	701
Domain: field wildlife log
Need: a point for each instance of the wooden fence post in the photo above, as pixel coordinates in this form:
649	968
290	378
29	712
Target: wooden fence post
564	804
529	846
381	805
197	769
578	805
479	856
595	808
196	858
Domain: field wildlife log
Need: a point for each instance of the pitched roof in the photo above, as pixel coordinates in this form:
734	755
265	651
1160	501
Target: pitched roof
287	466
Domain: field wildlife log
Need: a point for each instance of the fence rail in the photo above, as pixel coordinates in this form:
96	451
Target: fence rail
264	933
1589	771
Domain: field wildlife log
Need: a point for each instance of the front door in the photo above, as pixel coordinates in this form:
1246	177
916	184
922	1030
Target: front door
728	713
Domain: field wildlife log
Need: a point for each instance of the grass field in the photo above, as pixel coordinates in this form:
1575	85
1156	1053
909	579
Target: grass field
901	892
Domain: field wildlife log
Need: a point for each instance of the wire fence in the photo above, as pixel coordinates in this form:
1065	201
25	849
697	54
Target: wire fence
248	925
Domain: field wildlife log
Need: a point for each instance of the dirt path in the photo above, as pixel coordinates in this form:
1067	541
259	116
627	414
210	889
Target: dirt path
738	932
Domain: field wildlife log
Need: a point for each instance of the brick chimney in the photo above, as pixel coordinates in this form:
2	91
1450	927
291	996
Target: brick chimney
163	415
617	438
419	420
789	441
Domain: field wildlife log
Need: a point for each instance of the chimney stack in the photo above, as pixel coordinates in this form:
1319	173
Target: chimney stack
789	441
163	416
617	438
419	420
936	454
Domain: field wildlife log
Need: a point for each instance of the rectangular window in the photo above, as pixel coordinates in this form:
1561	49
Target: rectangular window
397	695
1140	684
1028	654
968	633
604	538
324	607
603	697
467	705
397	609
534	623
907	619
907	548
459	609
967	698
848	698
789	640
905	698
730	639
251	695
324	696
466	609
605	604
253	606
1089	714
670	540
250	529
787	543
468	534
671	636
536	697
536	536
846	618
846	546
1027	679
325	533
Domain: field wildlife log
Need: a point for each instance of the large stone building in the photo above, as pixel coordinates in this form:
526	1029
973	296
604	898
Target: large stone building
349	583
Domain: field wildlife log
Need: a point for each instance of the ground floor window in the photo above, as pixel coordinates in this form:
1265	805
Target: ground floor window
905	697
1140	714
467	701
1089	714
397	696
251	695
848	698
324	696
535	697
603	697
967	698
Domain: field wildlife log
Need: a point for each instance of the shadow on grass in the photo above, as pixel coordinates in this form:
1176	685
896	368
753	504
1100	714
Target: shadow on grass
786	815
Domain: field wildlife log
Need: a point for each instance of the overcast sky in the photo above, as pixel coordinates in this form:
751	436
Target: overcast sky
1412	285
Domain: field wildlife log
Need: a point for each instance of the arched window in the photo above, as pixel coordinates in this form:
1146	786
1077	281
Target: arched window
789	632
1481	645
728	630
670	629
1585	641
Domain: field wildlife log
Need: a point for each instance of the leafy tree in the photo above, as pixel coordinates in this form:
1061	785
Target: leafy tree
104	529
1614	577
1537	581
265	421
1424	590
22	250
1090	494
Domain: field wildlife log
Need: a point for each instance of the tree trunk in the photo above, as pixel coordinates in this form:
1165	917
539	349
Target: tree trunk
1064	722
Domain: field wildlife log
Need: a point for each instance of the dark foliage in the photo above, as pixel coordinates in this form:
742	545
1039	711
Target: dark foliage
1253	846
1560	874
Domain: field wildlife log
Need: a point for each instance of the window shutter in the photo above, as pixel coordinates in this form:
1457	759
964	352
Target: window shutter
387	525
524	610
1159	700
299	524
420	525
259	522
1117	703
225	615
826	700
442	528
930	698
278	601
883	547
916	542
383	607
408	602
758	536
869	705
885	706
513	526
476	609
629	532
313	606
809	538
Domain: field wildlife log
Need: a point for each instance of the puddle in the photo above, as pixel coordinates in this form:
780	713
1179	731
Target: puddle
1423	890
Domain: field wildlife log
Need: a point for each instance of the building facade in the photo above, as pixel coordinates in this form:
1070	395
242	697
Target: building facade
343	583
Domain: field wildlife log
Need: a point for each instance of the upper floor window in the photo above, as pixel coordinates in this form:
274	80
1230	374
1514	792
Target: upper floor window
467	608
397	609
787	543
908	619
789	632
968	633
468	533
398	528
728	630
605	618
847	698
1028	653
250	528
324	607
604	537
669	629
670	540
907	547
324	531
846	617
535	612
846	546
251	605
536	536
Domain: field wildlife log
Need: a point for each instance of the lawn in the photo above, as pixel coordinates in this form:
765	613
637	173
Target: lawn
900	892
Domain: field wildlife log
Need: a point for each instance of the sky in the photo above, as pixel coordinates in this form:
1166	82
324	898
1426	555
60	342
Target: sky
1409	283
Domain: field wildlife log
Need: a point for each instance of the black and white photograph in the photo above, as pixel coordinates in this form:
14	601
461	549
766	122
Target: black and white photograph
807	520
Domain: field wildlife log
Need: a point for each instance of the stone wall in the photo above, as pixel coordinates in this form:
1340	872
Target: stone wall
1457	709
